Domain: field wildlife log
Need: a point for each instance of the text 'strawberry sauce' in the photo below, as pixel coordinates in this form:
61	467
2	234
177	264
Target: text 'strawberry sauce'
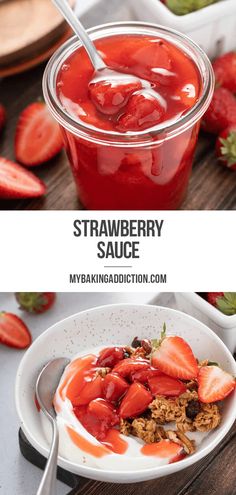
131	143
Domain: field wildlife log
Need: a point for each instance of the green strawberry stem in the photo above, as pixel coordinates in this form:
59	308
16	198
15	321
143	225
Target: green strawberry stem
227	303
157	342
182	7
228	149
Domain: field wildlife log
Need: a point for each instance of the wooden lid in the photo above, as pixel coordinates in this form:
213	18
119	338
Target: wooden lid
28	28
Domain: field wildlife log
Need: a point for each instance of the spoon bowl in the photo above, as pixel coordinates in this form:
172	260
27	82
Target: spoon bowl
102	73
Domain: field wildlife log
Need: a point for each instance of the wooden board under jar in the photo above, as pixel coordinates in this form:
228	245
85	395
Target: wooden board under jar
28	28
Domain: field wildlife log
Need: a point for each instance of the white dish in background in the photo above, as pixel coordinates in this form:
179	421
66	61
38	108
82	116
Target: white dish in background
224	326
212	27
82	6
109	325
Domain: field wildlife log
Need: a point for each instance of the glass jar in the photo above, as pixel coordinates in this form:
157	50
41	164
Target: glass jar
146	170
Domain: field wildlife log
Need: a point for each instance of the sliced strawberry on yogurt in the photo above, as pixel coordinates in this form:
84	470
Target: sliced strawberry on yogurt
91	390
98	417
126	367
109	356
114	387
174	356
135	401
143	376
166	385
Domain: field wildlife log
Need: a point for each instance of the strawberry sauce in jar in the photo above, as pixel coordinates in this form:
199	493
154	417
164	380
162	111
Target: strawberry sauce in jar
130	143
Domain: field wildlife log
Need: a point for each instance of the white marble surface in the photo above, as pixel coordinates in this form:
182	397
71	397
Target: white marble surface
18	476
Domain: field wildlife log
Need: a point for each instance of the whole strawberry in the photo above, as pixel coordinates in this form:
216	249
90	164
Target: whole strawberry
226	147
224	301
35	302
221	112
225	71
181	7
2	117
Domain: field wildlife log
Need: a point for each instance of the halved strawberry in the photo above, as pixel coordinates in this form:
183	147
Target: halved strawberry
16	182
13	331
128	366
91	390
135	401
38	137
214	384
2	117
114	387
166	385
174	357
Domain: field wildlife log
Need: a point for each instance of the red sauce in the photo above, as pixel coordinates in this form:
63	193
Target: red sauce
85	445
164	448
111	177
37	403
114	442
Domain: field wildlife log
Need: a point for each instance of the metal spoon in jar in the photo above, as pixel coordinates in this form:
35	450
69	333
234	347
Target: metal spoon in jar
102	72
46	386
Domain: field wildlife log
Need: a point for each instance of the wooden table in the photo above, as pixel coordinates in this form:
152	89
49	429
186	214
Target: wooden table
212	187
214	475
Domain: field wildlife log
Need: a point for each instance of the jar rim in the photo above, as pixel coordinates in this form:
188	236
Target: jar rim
162	131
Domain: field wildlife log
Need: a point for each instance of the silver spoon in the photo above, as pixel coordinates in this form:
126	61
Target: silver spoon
67	12
46	386
102	71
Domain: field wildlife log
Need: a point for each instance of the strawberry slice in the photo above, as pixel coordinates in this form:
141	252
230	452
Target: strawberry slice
166	385
110	356
143	110
91	390
214	384
143	376
135	401
128	366
174	357
98	417
16	182
38	137
104	411
114	387
13	331
110	96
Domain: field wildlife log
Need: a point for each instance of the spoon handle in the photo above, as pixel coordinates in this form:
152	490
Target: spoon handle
77	27
48	482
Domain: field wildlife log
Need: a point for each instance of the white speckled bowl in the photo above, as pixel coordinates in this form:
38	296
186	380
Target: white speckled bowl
108	325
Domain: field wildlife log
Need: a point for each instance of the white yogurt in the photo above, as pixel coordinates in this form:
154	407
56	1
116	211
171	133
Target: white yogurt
132	459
